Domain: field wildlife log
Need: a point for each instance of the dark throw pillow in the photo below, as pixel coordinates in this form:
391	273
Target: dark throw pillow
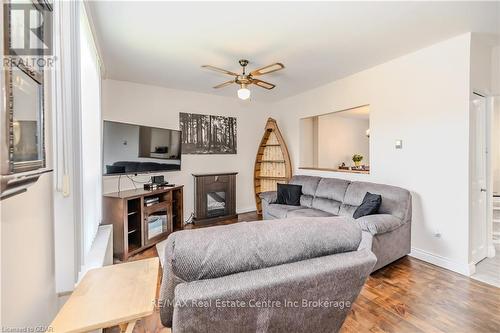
289	194
370	205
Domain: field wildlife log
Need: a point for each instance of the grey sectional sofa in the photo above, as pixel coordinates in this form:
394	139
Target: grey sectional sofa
387	234
295	275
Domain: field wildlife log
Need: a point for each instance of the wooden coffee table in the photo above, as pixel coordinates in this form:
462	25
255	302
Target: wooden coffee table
110	296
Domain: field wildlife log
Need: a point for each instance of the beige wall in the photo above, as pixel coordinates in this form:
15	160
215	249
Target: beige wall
495	70
339	138
308	142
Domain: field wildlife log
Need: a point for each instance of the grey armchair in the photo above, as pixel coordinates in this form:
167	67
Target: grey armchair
298	275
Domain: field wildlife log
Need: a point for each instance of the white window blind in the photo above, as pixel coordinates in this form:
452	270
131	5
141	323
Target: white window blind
90	116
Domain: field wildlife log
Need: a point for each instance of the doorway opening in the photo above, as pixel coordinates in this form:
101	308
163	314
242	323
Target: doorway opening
484	238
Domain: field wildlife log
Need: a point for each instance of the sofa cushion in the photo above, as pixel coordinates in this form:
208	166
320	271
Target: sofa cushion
280	211
308	212
289	194
329	195
395	200
332	188
379	223
269	196
219	251
306	200
309	184
327	205
347	210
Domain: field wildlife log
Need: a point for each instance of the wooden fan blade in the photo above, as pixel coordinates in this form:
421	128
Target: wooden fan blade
268	69
224	84
263	84
220	70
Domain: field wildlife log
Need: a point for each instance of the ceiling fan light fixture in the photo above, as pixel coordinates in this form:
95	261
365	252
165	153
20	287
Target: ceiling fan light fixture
244	79
271	68
243	92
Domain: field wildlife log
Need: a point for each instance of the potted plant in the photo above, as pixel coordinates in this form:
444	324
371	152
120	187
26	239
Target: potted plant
357	159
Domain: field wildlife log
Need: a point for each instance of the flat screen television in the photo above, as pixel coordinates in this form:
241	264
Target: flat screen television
134	149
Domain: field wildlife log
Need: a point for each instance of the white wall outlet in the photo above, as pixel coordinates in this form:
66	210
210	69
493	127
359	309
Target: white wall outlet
399	144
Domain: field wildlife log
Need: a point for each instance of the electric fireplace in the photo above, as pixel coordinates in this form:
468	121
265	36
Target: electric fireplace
214	197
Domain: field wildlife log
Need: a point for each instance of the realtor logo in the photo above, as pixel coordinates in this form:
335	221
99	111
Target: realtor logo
30	30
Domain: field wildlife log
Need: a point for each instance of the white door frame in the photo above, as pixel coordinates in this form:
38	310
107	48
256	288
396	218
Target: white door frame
479	181
489	175
490	107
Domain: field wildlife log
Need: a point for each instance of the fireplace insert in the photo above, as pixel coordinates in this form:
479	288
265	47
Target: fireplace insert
216	204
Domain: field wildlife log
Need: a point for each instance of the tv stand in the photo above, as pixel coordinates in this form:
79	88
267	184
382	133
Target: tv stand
142	218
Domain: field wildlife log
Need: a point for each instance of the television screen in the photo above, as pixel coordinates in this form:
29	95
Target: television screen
129	148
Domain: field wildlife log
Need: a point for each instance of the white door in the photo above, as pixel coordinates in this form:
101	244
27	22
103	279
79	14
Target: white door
479	184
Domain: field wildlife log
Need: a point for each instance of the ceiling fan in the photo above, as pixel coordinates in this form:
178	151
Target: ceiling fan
244	79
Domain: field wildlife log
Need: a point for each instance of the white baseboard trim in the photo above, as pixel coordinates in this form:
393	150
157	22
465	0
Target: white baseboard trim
472	268
464	269
491	251
245	210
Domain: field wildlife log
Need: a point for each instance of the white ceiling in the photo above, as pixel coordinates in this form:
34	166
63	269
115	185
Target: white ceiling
165	43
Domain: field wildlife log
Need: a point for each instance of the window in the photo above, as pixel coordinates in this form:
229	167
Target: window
90	139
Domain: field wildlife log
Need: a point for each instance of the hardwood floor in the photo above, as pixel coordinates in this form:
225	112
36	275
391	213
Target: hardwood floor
408	295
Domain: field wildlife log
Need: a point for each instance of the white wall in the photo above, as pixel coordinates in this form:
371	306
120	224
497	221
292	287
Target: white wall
28	282
160	107
421	98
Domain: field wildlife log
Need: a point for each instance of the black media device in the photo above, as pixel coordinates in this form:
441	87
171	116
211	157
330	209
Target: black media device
150	187
159	180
